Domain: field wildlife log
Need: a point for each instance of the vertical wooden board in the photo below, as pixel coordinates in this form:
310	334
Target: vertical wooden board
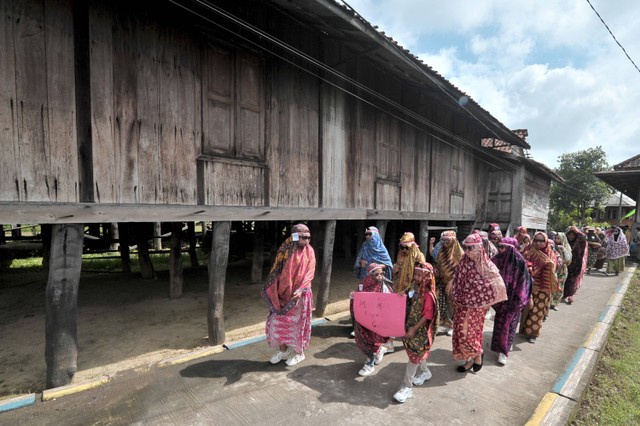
126	126
233	185
169	102
249	104
366	164
423	169
473	182
9	165
387	196
335	138
218	96
106	157
63	145
293	139
408	168
31	94
308	141
441	177
148	103
187	142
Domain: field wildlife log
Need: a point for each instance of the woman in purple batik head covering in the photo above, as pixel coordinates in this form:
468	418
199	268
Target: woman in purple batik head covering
514	272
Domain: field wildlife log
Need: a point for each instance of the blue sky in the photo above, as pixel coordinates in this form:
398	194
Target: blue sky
548	66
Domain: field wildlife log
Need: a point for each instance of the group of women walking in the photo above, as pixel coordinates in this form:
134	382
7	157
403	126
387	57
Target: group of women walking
522	278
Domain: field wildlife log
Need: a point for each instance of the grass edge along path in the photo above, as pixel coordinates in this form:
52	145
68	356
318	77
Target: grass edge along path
613	395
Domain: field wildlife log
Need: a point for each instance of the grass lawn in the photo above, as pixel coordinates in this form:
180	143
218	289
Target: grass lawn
613	396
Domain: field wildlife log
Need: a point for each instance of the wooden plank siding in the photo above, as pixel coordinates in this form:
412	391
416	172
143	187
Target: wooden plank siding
144	113
184	113
38	137
535	201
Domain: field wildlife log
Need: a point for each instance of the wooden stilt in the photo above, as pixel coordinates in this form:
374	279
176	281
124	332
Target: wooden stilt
115	237
217	276
191	235
382	227
125	255
423	238
61	342
146	267
157	235
258	254
175	261
325	276
45	234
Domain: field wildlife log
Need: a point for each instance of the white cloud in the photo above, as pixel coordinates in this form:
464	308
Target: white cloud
548	66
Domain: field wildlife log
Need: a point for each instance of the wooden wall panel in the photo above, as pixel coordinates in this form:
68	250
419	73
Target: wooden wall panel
335	143
177	118
31	93
146	126
233	185
292	138
63	144
535	201
125	90
9	160
106	152
387	196
147	39
364	164
441	162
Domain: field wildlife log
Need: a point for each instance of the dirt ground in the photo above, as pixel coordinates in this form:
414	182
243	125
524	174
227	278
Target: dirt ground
126	322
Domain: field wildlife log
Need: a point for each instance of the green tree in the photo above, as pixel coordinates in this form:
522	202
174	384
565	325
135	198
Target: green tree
581	190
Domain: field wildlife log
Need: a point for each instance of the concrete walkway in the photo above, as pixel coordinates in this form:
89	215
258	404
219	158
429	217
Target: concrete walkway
539	384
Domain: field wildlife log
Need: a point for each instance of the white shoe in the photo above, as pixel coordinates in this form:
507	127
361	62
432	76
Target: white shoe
450	332
366	370
403	394
422	377
296	359
279	356
388	348
502	359
353	334
377	358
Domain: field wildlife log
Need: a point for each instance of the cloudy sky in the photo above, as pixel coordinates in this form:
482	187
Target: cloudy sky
549	66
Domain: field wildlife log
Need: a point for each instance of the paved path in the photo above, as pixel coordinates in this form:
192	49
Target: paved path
239	386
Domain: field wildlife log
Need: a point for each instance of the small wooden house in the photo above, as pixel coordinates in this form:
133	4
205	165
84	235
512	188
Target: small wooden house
260	111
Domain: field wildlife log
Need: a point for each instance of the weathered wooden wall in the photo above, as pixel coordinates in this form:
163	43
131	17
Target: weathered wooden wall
535	201
145	100
187	114
38	160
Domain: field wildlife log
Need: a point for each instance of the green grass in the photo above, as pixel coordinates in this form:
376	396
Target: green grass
613	396
105	262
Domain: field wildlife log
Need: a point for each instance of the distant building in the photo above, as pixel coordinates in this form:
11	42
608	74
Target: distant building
618	205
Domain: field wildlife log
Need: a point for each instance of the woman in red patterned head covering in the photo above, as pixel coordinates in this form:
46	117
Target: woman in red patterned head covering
542	259
369	342
287	291
476	286
578	265
420	326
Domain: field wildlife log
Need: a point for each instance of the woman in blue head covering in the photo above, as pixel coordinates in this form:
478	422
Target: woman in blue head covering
372	251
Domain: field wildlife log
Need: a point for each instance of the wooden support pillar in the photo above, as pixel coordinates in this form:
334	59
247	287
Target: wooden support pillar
125	255
115	236
45	234
191	235
157	235
175	261
61	342
325	276
423	238
258	254
382	228
217	277
146	267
